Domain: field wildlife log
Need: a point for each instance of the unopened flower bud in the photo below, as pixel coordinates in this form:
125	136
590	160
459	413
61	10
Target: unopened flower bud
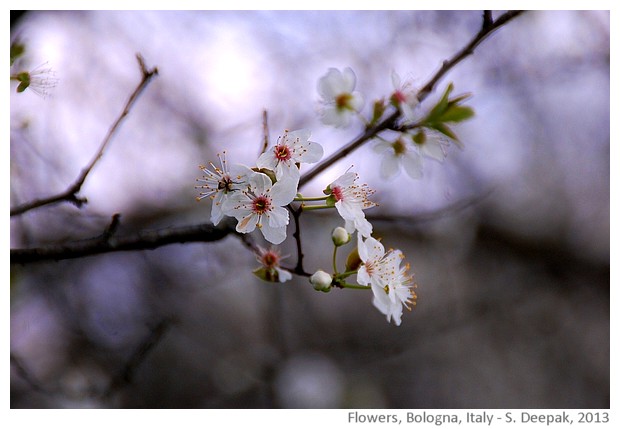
353	261
340	236
321	281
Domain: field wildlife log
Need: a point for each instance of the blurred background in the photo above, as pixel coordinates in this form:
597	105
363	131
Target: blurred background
508	238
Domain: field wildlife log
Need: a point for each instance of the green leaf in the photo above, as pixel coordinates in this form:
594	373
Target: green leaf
440	107
456	113
17	50
377	111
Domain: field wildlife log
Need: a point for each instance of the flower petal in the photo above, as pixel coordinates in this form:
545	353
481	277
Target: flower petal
277	217
390	166
413	165
248	223
274	235
285	189
433	149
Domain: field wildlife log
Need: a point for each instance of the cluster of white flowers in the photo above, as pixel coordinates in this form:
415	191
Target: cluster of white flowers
253	197
391	286
341	102
263	196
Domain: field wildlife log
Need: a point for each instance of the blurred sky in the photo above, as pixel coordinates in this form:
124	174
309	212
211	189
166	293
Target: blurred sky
538	149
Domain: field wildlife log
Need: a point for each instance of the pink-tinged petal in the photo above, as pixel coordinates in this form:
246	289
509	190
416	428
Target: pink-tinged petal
284	191
248	223
274	235
277	217
413	164
349	226
390	166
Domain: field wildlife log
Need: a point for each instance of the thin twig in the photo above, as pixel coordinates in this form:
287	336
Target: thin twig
488	27
126	374
299	267
71	194
265	133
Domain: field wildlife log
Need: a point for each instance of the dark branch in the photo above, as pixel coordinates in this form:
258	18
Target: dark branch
71	194
488	26
299	267
105	243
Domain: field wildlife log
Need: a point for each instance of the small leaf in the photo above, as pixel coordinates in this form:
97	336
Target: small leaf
456	113
377	111
440	107
17	50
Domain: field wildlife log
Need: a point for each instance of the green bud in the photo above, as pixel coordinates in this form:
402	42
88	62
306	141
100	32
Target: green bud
353	261
269	173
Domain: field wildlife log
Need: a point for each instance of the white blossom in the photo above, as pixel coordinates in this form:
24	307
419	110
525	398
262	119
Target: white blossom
292	147
390	284
220	183
262	206
404	97
351	200
270	269
340	101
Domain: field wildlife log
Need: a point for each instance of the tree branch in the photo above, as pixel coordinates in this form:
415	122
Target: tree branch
488	27
106	242
71	194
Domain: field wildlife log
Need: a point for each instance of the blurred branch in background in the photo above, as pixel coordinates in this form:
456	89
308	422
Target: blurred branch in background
71	193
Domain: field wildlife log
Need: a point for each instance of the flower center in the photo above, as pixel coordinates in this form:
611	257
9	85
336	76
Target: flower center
261	204
282	152
337	193
225	184
400	148
342	101
270	260
398	97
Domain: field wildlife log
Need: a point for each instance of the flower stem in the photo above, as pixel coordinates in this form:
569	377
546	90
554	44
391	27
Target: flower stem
311	198
352	286
322	206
